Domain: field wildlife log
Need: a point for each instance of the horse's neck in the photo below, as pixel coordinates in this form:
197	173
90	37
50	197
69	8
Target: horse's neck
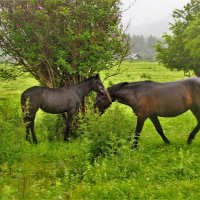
113	94
84	88
118	95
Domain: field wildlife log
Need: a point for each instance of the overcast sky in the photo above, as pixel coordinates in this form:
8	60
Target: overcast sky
149	17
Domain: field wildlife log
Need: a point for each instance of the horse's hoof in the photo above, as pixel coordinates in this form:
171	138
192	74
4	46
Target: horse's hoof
167	142
66	140
35	142
133	146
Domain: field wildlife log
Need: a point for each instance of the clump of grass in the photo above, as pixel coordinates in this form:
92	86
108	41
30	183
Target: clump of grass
146	76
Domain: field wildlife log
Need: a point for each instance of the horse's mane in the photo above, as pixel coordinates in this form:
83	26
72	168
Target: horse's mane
128	85
116	87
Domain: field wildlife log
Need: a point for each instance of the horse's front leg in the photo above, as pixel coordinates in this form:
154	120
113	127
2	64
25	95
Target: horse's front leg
159	129
138	129
29	124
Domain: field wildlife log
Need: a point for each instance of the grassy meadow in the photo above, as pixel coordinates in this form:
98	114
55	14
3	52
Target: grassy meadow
98	164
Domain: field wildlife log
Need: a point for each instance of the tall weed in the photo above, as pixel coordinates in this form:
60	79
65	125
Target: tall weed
10	134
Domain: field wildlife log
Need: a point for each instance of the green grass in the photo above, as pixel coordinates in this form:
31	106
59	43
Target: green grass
137	71
99	163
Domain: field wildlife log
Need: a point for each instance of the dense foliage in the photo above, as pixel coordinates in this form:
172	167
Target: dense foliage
180	49
62	40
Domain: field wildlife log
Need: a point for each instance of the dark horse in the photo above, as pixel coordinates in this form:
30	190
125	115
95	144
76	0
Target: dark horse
56	100
151	99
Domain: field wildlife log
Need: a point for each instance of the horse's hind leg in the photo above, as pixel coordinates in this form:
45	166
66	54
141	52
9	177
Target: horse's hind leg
29	123
196	113
33	132
29	109
159	129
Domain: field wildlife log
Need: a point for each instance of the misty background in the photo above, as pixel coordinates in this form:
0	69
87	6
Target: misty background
146	21
149	17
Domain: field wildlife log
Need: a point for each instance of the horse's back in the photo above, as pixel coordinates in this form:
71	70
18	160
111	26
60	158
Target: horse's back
32	89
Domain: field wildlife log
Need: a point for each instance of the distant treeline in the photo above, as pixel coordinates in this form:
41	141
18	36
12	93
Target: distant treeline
144	46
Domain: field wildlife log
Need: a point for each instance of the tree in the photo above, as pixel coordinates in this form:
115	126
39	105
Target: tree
62	40
151	41
178	50
192	43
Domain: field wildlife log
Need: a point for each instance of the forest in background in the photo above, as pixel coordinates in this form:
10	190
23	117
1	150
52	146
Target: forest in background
144	46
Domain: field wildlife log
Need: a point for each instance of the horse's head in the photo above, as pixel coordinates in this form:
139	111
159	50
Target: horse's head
102	101
98	86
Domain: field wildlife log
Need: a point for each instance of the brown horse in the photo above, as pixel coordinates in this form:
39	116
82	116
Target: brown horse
150	99
56	100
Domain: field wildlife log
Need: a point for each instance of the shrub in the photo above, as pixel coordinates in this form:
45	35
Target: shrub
108	132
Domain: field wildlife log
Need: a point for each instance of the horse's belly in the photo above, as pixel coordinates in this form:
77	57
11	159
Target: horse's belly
55	107
171	111
53	110
173	105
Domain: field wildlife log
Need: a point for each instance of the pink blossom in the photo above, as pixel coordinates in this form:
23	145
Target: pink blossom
40	8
